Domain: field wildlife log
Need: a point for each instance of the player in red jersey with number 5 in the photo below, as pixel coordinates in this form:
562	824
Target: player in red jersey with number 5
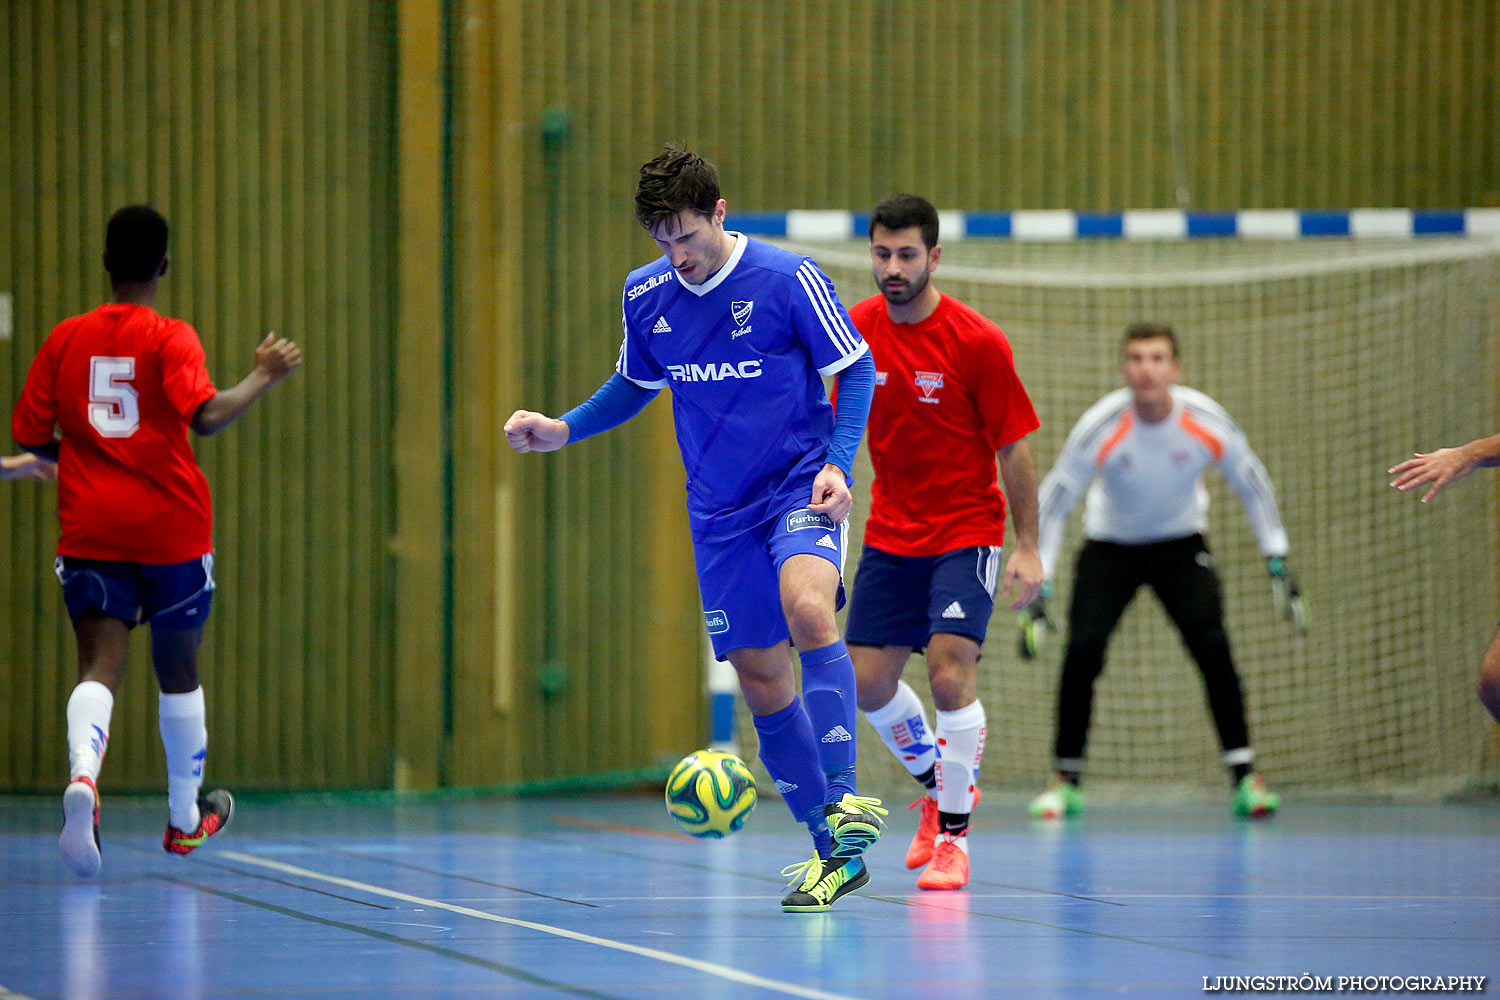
947	405
124	384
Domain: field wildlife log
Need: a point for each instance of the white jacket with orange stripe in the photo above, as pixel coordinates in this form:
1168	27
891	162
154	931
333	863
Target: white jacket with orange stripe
1145	480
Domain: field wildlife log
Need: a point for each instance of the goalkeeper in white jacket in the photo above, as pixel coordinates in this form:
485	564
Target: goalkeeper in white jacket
1140	452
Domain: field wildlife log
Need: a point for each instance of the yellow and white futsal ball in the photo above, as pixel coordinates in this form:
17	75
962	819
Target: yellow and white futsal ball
710	794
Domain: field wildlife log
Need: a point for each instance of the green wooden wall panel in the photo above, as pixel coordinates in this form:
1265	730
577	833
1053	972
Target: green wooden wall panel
264	130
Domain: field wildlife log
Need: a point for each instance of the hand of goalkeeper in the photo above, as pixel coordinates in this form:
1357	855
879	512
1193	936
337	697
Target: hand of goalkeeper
1286	592
1033	623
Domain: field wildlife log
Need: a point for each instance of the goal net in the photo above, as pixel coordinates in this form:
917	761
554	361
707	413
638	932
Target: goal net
1338	358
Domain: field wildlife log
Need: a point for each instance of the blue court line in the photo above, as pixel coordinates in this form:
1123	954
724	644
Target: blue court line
459	956
710	968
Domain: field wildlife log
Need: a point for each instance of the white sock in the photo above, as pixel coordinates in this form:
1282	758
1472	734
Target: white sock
89	709
960	739
902	726
184	736
962	840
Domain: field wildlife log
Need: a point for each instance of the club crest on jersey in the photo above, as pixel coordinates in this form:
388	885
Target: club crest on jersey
717	622
798	520
741	313
880	378
929	383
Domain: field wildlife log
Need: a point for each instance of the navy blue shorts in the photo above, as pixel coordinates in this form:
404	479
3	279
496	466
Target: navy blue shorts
739	576
905	600
176	596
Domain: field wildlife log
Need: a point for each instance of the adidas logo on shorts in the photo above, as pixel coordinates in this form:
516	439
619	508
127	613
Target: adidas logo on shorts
826	542
661	325
954	610
838	734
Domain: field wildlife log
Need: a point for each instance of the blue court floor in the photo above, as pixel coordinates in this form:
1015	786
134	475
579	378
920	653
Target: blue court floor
596	896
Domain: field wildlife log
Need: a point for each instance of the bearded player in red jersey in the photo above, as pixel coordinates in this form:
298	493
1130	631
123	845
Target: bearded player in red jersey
947	404
125	384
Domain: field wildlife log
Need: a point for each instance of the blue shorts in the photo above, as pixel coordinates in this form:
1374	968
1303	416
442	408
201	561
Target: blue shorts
739	576
905	600
177	596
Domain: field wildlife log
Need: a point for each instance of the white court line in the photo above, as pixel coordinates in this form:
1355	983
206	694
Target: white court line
711	968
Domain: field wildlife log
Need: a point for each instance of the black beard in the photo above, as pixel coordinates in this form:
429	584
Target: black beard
912	290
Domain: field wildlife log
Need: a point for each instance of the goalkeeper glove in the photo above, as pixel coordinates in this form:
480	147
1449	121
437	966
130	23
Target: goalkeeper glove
1286	592
1032	623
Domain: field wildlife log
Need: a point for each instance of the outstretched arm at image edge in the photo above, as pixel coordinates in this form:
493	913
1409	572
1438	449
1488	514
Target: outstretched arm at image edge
1446	465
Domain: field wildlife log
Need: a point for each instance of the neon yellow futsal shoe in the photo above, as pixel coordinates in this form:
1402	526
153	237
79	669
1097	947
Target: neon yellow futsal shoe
855	822
821	881
1062	798
1251	798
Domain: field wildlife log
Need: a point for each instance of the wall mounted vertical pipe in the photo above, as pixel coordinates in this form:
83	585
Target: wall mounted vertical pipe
554	128
445	250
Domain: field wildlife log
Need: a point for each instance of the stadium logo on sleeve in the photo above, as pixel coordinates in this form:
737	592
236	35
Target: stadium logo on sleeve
741	313
929	383
636	291
797	520
717	622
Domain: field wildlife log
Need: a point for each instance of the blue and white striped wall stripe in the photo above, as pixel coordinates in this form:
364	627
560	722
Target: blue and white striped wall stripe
1060	224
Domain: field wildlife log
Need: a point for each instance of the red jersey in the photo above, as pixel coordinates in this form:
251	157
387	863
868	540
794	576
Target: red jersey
123	383
946	398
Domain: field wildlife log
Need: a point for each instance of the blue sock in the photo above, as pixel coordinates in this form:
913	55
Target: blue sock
788	750
828	689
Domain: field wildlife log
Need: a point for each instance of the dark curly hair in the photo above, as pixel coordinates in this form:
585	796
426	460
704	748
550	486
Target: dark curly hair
675	180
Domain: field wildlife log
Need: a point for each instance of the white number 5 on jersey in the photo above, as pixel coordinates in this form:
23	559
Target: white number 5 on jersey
114	405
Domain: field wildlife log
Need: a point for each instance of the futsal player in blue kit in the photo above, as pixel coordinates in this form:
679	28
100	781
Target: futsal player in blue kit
743	333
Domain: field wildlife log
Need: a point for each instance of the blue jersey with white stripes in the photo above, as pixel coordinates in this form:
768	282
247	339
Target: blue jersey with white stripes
744	353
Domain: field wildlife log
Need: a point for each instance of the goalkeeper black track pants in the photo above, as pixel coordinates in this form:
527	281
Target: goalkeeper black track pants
1107	577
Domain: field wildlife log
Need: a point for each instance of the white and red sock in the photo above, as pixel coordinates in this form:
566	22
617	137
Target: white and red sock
89	708
960	740
902	726
184	737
